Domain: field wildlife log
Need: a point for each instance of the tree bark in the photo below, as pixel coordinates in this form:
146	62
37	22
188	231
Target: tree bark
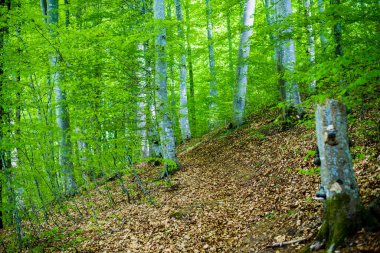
211	54
322	33
5	6
141	104
242	67
183	111
193	120
229	37
342	207
166	129
61	110
310	39
337	30
293	98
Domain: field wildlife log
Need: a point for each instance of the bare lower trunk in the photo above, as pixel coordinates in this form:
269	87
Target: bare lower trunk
166	129
338	184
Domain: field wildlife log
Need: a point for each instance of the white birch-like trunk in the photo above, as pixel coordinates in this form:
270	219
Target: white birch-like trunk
61	111
322	33
270	17
292	96
213	86
155	149
183	111
166	129
141	104
230	60
310	39
242	67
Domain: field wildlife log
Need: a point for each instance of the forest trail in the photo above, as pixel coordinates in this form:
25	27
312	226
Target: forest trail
237	191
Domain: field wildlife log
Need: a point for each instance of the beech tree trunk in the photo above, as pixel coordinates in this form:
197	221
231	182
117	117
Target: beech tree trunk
193	121
292	95
229	37
50	8
322	33
342	207
211	54
242	67
142	105
337	29
310	39
166	129
183	110
5	6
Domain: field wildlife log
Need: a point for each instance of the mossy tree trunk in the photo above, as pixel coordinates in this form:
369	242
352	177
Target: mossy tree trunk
342	206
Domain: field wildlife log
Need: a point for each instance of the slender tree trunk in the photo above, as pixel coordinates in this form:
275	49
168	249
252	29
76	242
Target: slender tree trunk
310	39
242	67
270	17
322	33
213	86
155	149
61	110
342	207
337	29
5	6
141	110
183	111
293	98
230	60
166	129
193	122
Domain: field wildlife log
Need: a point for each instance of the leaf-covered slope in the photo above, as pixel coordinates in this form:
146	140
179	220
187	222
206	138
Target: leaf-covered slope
237	191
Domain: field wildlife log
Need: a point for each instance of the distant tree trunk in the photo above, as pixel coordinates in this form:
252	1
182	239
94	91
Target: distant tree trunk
230	60
155	149
322	33
337	29
270	17
166	129
61	110
5	6
193	120
242	67
183	111
142	110
170	66
213	86
292	95
310	39
342	207
67	13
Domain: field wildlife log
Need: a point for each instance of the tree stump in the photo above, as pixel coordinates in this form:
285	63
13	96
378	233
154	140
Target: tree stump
342	207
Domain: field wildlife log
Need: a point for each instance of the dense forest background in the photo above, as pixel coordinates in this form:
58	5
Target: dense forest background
91	89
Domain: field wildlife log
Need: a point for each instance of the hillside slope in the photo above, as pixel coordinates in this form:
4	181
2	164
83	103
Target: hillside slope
238	191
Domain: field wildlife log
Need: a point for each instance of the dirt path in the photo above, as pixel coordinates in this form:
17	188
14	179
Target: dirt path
234	193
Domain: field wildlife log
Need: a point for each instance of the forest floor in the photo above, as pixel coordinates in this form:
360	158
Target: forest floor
237	191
